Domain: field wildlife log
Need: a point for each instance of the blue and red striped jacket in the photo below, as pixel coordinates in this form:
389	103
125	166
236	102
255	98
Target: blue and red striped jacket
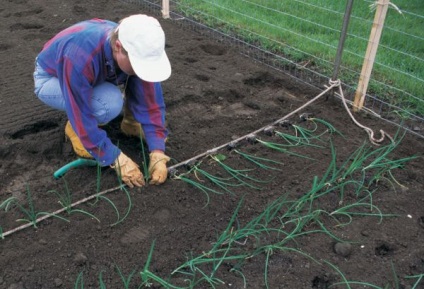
81	57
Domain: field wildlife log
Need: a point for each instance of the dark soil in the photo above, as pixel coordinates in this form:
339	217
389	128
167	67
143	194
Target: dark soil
214	95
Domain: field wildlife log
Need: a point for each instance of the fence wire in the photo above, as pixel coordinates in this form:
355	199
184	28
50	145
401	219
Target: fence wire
390	98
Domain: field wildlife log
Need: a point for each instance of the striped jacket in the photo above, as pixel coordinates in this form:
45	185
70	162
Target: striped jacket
81	57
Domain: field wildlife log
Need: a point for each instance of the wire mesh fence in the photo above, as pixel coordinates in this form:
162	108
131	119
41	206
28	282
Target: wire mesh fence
301	38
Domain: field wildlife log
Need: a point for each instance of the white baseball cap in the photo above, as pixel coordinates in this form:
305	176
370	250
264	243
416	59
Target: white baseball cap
144	40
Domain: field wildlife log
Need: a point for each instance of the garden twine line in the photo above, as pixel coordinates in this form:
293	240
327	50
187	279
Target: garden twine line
369	131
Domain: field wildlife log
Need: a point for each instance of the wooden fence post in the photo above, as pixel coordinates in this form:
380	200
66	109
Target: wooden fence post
165	9
373	42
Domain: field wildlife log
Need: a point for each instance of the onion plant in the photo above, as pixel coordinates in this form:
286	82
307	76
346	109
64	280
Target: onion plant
312	133
29	211
149	277
419	277
102	284
129	207
281	148
381	166
197	184
240	175
32	217
372	165
65	200
307	133
222	182
99	177
260	161
330	128
396	283
363	168
351	210
112	204
79	282
118	215
235	178
145	167
218	254
295	140
125	280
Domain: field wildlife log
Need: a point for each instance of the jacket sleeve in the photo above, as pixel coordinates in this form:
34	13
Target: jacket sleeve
145	100
76	82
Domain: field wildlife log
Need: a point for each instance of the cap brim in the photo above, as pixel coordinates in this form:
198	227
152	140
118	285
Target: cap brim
152	71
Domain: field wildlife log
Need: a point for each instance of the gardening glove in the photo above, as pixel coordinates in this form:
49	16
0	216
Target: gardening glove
128	171
157	167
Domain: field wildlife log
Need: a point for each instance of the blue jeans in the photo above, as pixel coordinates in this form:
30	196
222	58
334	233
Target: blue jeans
106	101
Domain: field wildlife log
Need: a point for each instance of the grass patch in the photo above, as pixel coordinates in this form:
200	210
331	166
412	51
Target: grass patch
308	34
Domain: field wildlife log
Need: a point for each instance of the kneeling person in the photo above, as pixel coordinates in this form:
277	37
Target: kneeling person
80	70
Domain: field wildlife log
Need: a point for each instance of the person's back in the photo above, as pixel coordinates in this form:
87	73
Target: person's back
79	44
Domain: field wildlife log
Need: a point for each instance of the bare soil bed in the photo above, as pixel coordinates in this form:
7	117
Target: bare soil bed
214	95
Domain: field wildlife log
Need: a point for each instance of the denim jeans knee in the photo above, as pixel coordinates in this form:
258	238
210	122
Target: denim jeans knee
106	100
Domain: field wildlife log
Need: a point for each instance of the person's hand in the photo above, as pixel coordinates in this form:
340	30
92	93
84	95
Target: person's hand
157	167
128	171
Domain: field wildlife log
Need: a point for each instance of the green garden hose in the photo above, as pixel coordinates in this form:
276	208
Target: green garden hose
74	164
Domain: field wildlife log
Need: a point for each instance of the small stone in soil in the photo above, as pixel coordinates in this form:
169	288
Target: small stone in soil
343	249
80	259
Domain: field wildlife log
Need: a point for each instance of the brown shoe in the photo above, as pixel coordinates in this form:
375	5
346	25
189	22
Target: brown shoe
129	126
76	143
